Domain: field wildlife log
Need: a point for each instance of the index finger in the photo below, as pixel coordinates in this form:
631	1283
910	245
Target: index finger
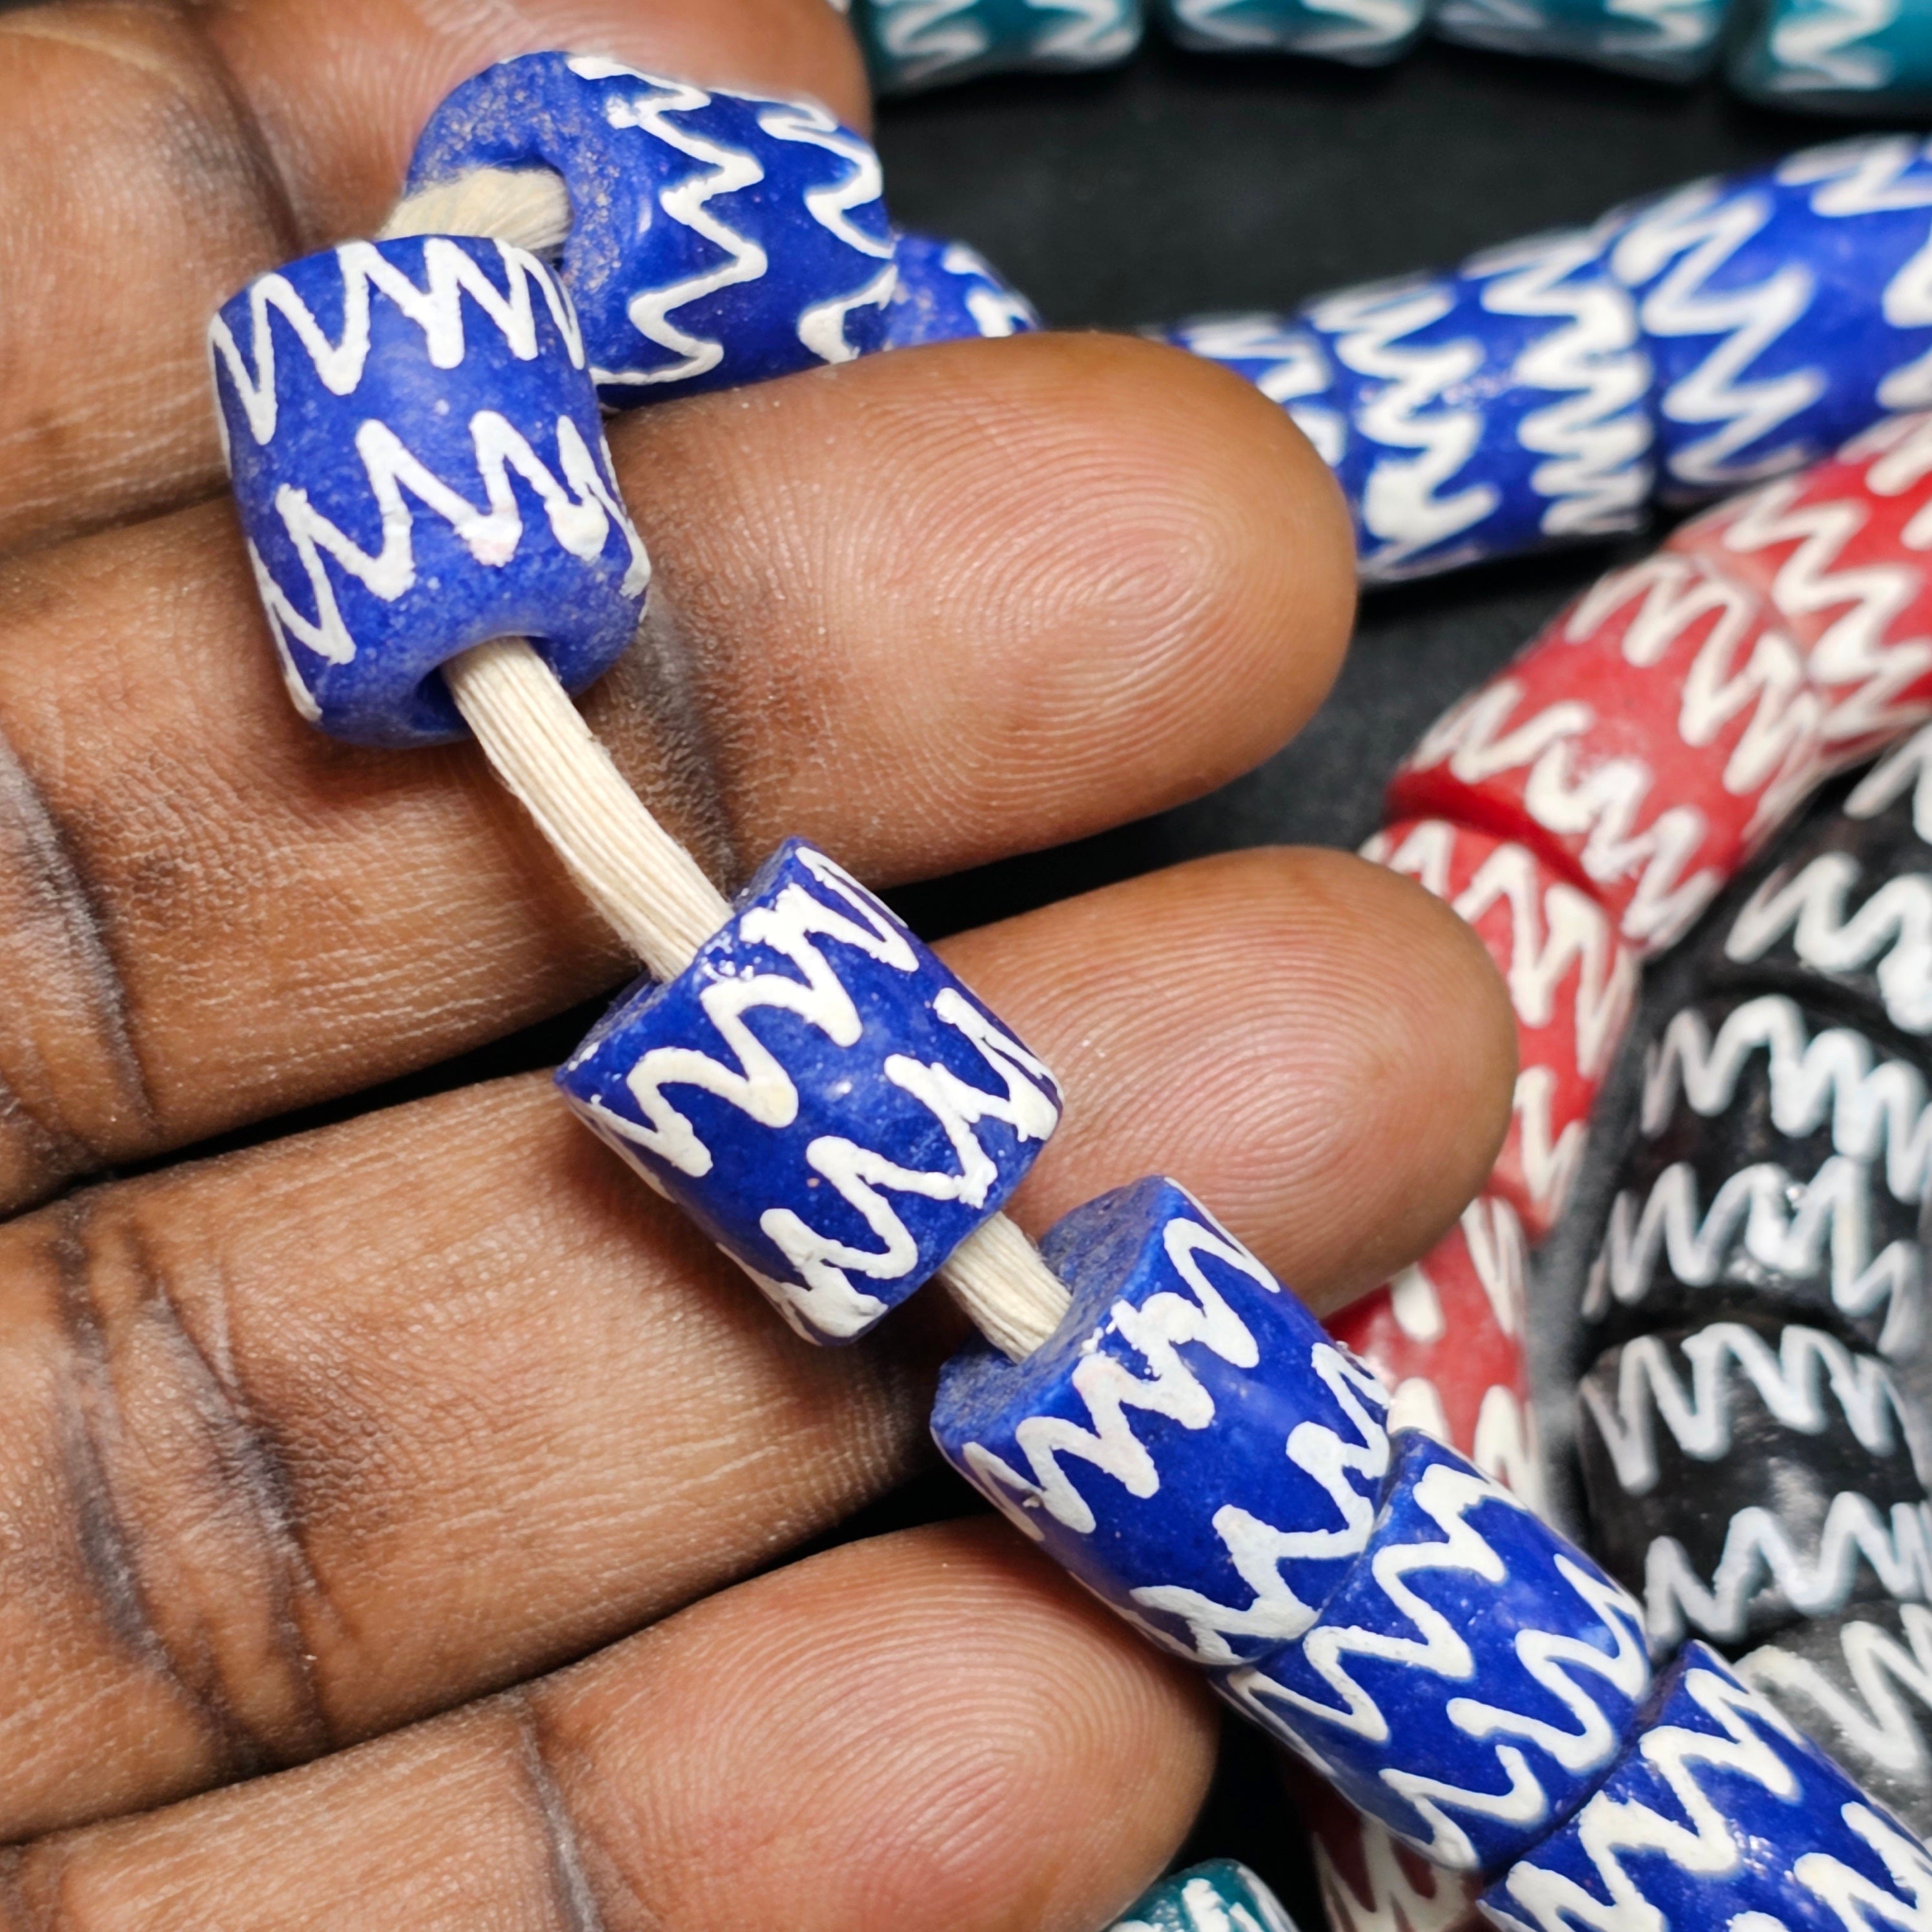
154	157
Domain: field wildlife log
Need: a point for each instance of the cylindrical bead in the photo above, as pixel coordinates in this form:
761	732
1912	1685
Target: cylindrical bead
1720	1815
1677	40
948	291
1494	410
420	466
1447	1335
716	238
1749	1471
820	1094
911	44
1191	1444
1838	556
1784	309
1572	983
1859	1686
1842	918
1829	57
1363	33
1780	1165
1646	744
1221	1896
1473	1678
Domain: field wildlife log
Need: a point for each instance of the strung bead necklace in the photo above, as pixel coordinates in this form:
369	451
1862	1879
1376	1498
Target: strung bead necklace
414	432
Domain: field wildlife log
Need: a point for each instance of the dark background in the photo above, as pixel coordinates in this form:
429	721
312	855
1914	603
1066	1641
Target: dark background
1186	183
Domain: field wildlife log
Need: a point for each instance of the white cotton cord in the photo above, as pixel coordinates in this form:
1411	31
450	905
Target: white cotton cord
1015	1300
650	888
645	883
529	207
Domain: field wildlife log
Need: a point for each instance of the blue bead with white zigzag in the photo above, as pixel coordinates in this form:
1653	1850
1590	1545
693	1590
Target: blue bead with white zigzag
1363	33
1719	1814
1838	56
716	238
419	463
1283	358
1492	410
949	292
1220	1896
820	1094
1471	1681
1785	310
1189	1443
911	44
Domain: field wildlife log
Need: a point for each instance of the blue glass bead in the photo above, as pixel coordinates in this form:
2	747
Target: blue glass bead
1189	1443
915	43
716	238
1221	1896
1492	410
1842	56
1473	1679
1282	359
1364	33
820	1094
419	463
947	292
1662	40
1785	310
1719	1815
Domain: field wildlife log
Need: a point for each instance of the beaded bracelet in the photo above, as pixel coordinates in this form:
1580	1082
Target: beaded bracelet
1826	56
845	1119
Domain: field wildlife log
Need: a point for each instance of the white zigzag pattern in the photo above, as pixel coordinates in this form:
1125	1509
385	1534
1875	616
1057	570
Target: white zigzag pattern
760	1087
996	311
1816	48
1478	740
1786	1227
1098	30
1554	929
1759	1554
1678	244
929	37
1608	1828
1555	1663
1393	1903
1156	1331
1506	1445
1905	767
1873	1718
1363	26
1877	1109
1852	659
579	506
1400	506
1594	437
820	328
1207	1911
1791	1381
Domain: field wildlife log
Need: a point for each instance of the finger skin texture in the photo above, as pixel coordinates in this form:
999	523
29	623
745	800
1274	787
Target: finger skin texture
922	610
930	1730
156	156
311	1441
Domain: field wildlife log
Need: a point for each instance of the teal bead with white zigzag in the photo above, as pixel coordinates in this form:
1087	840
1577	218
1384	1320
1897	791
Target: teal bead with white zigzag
1221	1896
911	44
419	462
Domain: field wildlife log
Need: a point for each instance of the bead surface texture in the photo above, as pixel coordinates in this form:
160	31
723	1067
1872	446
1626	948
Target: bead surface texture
716	238
820	1094
420	466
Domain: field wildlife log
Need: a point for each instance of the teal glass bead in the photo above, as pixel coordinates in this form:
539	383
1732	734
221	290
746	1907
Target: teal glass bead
1222	1896
911	44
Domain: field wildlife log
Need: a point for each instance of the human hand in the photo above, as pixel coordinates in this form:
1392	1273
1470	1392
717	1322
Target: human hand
348	1440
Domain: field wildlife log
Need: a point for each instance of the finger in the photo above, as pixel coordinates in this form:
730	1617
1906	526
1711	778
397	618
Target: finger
155	156
925	609
305	1444
930	1730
